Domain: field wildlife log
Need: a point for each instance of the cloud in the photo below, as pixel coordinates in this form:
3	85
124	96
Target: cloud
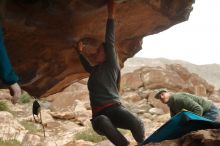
196	40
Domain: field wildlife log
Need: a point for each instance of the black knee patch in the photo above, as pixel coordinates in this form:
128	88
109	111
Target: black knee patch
98	123
101	120
103	126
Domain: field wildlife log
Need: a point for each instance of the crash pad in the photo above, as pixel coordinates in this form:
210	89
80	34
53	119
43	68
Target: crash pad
179	125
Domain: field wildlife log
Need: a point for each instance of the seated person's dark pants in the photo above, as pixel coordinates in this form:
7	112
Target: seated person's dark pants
108	120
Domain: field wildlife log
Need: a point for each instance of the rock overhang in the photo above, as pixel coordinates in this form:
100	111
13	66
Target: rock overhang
41	35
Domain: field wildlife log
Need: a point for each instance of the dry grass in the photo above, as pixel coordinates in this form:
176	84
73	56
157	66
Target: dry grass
12	142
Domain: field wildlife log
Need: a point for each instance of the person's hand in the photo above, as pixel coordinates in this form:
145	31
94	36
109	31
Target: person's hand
15	91
184	110
80	46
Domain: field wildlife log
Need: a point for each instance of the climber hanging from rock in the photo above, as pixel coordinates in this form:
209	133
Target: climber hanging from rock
108	113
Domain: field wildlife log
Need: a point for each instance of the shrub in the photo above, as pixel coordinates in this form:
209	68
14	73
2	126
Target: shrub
89	135
31	127
25	98
3	106
12	142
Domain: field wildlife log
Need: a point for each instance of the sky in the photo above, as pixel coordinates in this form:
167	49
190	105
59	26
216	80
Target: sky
196	40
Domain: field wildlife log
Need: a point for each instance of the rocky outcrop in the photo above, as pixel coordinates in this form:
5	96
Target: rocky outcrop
202	137
173	77
10	128
4	95
209	72
20	126
41	35
215	96
68	113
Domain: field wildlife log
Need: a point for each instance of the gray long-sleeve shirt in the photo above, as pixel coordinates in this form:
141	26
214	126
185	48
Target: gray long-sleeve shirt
103	78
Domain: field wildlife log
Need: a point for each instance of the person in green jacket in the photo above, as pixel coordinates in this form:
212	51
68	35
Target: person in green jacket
7	75
180	101
108	114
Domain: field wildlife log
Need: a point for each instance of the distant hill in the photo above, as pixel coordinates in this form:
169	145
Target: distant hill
209	72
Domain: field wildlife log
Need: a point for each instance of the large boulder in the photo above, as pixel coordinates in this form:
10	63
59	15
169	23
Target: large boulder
63	101
210	137
41	35
173	77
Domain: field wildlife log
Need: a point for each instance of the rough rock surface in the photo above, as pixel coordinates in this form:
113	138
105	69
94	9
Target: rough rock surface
10	128
173	77
64	120
209	137
41	35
